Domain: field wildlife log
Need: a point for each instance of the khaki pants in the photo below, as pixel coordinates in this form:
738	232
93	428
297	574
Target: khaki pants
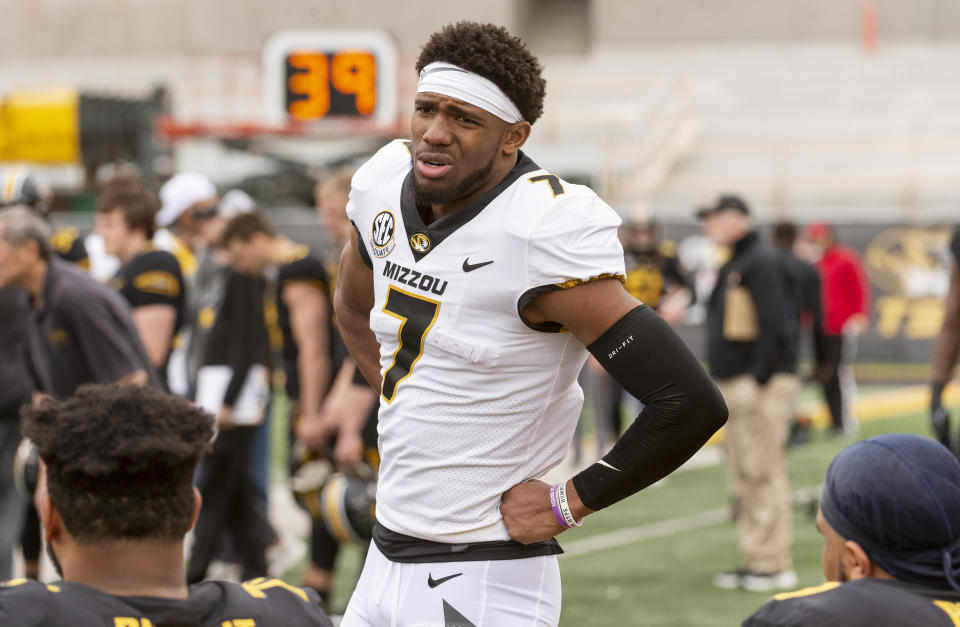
756	457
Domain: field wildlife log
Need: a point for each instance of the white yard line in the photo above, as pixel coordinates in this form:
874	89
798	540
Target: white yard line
663	528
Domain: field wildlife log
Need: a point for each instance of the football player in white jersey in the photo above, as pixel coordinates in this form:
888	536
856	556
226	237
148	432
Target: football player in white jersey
470	294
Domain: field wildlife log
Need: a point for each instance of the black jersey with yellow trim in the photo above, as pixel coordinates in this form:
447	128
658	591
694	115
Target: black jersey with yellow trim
652	273
256	603
868	602
301	266
152	277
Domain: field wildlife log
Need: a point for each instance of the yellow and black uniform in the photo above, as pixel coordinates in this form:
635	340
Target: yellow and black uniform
301	265
652	272
153	277
256	603
235	336
868	602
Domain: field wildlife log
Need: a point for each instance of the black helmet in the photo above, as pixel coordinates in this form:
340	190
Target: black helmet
308	473
348	504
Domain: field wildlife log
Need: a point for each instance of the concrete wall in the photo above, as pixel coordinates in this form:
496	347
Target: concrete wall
94	27
632	23
38	28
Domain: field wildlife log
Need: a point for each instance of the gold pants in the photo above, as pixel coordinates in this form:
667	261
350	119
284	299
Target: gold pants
756	459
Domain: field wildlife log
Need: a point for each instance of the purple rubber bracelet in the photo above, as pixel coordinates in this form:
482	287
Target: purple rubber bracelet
555	504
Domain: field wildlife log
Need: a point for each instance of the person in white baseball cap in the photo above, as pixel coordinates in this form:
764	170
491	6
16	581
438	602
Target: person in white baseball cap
180	199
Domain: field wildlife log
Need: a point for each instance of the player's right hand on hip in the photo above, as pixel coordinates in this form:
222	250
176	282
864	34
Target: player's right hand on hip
527	513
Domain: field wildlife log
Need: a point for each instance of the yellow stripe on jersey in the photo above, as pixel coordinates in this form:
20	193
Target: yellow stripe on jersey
158	282
806	592
13	583
952	610
600	277
256	587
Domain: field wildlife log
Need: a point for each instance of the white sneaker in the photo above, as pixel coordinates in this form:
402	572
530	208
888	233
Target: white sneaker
768	582
729	579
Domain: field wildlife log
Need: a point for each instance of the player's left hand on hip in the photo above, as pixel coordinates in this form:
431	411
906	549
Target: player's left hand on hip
527	513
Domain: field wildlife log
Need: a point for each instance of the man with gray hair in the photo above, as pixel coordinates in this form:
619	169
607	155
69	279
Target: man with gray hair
78	331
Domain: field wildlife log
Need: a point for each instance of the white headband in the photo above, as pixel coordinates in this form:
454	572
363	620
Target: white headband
447	79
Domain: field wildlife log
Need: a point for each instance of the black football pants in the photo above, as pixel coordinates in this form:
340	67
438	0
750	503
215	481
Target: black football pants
230	503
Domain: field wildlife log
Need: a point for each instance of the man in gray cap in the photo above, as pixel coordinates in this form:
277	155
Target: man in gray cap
890	518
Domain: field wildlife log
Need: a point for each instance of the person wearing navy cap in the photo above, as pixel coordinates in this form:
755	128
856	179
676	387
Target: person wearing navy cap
890	518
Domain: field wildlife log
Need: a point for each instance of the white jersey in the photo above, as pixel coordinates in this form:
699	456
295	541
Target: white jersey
475	399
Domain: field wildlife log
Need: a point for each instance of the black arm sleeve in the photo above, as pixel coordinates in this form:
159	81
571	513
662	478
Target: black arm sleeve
683	407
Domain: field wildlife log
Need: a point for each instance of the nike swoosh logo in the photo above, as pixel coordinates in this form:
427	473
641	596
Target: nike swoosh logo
433	583
470	267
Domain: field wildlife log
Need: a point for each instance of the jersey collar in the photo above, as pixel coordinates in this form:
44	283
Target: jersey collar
440	229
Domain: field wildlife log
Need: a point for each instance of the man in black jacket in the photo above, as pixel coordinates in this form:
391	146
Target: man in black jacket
753	359
804	309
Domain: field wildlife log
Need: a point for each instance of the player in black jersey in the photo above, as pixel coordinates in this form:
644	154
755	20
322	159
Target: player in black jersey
351	405
303	311
889	517
149	279
232	382
351	399
116	498
304	317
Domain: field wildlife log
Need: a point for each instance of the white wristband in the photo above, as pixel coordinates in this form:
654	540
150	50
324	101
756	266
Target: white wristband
565	506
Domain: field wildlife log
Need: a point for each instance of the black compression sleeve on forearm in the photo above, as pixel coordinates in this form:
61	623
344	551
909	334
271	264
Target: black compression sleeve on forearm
682	407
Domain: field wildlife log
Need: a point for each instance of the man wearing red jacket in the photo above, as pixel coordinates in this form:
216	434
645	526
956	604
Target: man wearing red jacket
846	298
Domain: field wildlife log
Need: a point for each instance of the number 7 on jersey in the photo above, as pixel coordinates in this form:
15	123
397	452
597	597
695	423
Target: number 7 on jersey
417	315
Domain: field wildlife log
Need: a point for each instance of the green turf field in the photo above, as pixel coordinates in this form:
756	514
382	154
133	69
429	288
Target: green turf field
665	581
685	533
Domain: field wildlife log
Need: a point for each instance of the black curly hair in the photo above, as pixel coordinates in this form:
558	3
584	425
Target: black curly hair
120	460
492	52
